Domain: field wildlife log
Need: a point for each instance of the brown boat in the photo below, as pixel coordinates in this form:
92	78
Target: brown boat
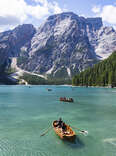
67	134
64	99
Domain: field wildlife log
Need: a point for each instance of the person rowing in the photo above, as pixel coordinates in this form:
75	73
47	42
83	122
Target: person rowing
61	124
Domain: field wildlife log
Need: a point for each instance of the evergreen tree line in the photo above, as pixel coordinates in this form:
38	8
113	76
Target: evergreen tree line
101	74
35	80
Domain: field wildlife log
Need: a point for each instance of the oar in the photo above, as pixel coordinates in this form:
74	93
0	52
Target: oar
46	131
81	131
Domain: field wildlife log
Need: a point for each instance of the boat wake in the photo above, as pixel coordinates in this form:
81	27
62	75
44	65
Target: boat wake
111	141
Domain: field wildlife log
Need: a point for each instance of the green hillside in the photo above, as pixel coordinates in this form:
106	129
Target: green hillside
101	74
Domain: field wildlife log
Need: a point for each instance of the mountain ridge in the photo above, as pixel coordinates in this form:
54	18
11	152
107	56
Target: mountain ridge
61	47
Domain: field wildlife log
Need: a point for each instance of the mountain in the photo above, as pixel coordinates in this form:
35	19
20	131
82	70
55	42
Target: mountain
64	45
101	74
61	46
11	42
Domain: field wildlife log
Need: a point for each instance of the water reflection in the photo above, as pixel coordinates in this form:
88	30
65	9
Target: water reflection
77	143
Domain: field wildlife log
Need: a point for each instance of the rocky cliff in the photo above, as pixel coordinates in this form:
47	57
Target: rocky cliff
64	45
12	42
61	45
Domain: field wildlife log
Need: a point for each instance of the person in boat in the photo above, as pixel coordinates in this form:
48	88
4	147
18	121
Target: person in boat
61	124
71	99
63	127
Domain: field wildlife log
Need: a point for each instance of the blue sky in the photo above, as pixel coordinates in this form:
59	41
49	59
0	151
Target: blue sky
83	6
36	11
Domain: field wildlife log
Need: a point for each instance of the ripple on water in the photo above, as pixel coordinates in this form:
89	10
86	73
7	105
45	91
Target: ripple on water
8	148
111	141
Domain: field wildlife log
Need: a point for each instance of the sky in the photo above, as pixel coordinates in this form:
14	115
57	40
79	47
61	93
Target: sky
17	12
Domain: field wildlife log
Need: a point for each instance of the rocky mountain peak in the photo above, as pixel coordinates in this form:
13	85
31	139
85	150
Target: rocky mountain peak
64	45
95	23
62	16
23	33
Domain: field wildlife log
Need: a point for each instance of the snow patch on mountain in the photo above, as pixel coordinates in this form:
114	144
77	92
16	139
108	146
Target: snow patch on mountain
50	70
69	72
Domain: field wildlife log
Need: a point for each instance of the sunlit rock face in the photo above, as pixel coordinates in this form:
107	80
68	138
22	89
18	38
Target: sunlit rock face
64	45
106	42
61	45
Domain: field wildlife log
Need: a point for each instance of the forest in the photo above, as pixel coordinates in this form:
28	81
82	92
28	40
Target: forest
101	74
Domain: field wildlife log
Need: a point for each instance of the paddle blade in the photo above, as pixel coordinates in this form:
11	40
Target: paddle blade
42	134
84	132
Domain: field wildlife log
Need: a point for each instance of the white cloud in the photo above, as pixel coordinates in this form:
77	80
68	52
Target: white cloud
55	7
15	9
108	14
19	12
96	9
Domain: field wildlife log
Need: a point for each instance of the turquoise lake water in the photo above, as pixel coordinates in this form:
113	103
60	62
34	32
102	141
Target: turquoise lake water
26	113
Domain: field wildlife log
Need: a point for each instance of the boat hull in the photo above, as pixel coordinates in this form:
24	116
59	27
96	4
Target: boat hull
69	134
66	100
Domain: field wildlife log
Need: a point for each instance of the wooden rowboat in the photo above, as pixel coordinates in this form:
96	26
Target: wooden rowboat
66	99
68	134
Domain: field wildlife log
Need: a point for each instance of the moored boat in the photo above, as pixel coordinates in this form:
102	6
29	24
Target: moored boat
67	134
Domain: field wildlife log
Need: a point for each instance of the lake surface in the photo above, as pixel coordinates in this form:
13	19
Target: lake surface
26	113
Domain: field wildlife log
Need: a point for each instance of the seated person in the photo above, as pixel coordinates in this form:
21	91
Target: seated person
60	122
63	127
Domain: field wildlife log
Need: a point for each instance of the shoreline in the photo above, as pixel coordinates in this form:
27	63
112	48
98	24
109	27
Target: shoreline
65	85
95	86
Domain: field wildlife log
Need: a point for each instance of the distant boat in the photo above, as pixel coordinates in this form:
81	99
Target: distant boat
48	89
68	134
64	99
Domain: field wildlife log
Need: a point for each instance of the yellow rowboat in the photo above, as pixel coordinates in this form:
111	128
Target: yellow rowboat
67	134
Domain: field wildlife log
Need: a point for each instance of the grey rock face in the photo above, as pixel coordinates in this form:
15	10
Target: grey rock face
11	42
64	45
105	43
